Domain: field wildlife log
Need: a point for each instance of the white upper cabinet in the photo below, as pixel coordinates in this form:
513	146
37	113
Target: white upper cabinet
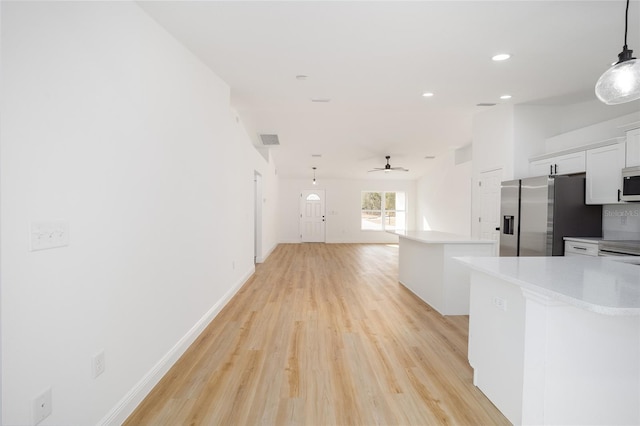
604	179
558	165
633	148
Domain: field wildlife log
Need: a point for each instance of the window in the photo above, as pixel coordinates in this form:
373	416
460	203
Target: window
313	197
383	211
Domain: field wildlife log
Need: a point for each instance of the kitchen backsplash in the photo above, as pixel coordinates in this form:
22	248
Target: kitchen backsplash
621	222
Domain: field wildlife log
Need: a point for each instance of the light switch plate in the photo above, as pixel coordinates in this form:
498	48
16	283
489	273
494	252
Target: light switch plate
98	364
500	303
47	235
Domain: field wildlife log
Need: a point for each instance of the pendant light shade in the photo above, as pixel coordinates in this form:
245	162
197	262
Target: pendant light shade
621	82
314	176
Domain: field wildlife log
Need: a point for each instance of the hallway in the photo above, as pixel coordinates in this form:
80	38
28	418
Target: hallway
324	335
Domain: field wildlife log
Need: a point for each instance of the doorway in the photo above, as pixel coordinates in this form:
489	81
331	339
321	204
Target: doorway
257	217
312	217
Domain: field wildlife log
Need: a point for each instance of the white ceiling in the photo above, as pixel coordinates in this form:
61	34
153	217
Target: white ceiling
375	59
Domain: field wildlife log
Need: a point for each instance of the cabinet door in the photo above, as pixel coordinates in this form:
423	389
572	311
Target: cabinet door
604	180
570	163
559	165
633	148
541	167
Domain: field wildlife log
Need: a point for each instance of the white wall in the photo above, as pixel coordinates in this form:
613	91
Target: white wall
493	140
600	131
492	148
342	206
270	210
1	260
578	115
111	125
264	165
532	125
444	196
621	222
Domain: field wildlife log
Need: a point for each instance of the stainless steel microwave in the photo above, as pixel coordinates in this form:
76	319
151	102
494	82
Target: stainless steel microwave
630	184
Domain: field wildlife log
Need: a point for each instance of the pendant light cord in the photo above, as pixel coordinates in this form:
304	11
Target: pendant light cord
626	22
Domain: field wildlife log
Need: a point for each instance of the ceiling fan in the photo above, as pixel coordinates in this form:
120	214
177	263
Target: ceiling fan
388	168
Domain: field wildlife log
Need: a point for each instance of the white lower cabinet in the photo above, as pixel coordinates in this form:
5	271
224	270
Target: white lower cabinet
580	247
604	179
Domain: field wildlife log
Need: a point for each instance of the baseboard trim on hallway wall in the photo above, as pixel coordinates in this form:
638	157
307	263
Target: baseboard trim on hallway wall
263	258
139	392
285	241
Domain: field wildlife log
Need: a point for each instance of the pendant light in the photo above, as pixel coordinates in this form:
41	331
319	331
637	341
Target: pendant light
314	176
621	82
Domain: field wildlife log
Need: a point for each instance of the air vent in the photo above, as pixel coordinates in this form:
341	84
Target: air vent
485	104
316	155
270	140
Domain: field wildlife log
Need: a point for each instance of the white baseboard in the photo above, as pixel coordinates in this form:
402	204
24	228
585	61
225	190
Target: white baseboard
263	258
136	395
294	241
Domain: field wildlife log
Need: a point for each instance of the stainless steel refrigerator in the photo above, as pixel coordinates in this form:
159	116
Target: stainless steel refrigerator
537	213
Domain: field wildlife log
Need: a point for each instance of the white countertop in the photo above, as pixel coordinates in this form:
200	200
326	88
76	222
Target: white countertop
599	284
437	237
584	239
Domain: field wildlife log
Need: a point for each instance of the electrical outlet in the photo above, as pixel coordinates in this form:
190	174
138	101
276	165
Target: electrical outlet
42	407
48	235
98	364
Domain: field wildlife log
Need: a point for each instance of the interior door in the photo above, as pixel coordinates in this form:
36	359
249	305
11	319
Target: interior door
312	216
490	204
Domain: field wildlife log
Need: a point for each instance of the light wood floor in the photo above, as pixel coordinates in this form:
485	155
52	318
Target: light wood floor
324	335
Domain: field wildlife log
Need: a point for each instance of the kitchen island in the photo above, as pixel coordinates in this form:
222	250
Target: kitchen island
556	340
427	268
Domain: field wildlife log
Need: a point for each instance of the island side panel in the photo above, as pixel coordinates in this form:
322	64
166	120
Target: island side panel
542	361
592	367
455	280
496	342
420	270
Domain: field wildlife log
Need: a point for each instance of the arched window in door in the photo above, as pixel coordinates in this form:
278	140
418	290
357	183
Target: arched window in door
313	197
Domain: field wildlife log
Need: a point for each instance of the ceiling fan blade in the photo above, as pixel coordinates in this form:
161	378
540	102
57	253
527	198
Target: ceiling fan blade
388	168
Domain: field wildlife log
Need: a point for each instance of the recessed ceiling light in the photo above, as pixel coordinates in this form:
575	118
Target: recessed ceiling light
427	94
505	97
501	57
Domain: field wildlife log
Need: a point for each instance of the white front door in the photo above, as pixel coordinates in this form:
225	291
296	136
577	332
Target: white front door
490	205
312	216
